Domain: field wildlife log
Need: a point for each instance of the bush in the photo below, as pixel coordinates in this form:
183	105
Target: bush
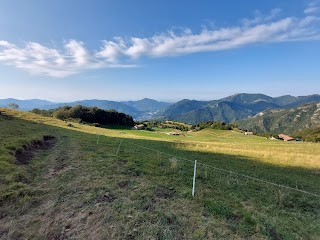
45	113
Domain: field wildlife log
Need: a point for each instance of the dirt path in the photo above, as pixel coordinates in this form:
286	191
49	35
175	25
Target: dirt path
32	216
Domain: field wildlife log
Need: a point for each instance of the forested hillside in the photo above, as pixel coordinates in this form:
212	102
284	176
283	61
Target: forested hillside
284	120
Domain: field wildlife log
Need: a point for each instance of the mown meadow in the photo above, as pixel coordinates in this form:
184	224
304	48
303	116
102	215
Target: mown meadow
118	183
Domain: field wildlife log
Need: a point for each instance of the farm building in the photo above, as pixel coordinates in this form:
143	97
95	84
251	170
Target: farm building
286	137
138	127
248	133
174	133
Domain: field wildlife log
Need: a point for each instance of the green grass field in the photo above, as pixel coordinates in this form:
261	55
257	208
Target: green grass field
78	189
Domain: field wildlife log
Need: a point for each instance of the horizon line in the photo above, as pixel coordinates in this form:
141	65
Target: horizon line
158	100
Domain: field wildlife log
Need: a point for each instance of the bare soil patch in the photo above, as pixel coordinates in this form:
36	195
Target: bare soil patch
24	156
107	197
164	192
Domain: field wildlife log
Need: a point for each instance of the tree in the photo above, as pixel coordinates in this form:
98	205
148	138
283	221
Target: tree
13	105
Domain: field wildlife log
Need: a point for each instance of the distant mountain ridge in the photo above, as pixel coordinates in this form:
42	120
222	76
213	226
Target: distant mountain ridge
147	105
24	104
141	110
229	109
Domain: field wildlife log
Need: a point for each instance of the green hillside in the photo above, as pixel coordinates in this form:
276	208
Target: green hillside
223	111
60	182
245	98
284	120
181	107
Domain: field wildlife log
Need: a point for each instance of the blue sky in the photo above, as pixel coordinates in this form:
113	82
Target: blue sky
166	50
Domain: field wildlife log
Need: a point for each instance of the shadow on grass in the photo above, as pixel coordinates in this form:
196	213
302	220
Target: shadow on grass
116	127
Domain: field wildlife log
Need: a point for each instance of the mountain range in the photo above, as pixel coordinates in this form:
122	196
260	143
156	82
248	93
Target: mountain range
229	109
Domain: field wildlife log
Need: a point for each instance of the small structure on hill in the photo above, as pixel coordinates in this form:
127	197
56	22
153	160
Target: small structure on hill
174	133
138	127
248	133
286	137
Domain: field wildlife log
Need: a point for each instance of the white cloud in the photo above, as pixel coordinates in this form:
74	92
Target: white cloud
310	10
77	53
5	44
117	53
38	59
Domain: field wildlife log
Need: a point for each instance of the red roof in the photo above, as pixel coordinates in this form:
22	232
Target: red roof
286	137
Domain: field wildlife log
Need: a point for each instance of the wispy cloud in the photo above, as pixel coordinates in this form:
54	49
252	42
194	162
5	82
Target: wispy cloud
313	7
74	57
260	17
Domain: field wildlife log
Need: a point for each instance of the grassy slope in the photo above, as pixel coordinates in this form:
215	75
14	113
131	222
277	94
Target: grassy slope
80	189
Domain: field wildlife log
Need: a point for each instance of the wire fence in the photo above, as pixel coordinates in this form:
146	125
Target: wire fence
125	148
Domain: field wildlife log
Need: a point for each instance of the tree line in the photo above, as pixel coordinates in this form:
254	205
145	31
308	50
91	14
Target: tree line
214	125
308	134
184	127
88	115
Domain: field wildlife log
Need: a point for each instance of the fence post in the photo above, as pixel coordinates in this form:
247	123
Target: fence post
118	148
206	173
194	177
98	138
